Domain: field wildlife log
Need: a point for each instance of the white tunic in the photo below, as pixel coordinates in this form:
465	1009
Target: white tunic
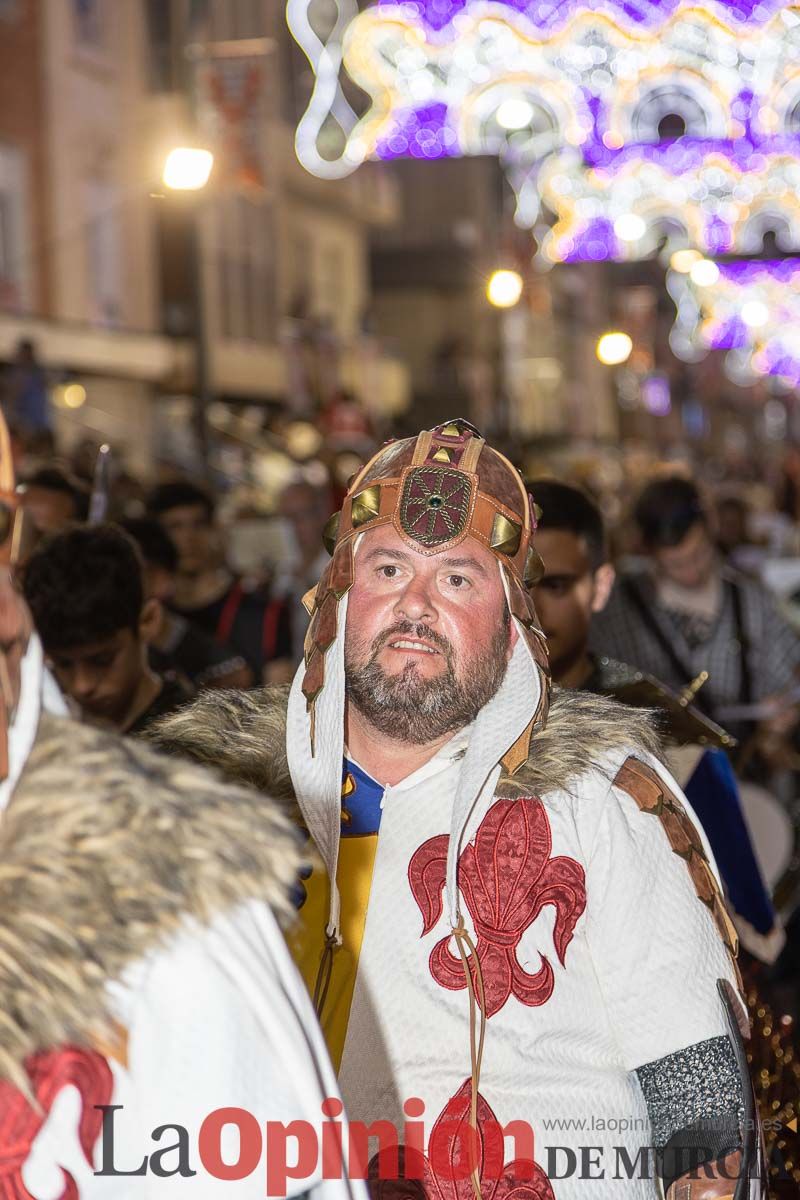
641	959
216	1018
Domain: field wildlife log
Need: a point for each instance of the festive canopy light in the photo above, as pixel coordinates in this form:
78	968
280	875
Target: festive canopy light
751	310
633	123
504	288
684	260
614	348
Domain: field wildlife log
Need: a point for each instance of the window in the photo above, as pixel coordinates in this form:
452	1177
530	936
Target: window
14	264
104	253
246	276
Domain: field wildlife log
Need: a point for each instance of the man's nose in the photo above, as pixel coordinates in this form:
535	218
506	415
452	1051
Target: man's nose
416	603
82	683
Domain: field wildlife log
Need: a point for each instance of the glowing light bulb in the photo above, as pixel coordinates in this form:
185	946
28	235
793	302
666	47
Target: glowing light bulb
704	273
514	113
682	261
614	348
504	289
74	395
755	314
187	168
629	227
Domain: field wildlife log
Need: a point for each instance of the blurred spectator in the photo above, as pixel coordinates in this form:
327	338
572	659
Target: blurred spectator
306	509
578	577
28	404
54	499
85	589
574	588
176	645
686	613
734	536
210	596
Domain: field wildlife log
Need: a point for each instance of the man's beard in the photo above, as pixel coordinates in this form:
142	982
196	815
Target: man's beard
412	708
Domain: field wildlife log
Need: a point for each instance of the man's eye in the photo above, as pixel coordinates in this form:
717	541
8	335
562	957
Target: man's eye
388	571
456	581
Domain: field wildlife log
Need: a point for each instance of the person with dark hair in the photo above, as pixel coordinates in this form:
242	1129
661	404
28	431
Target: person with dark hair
85	589
54	499
688	619
577	576
573	590
253	623
177	646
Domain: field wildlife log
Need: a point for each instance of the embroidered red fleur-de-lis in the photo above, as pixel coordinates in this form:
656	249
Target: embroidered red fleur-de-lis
48	1073
506	877
445	1172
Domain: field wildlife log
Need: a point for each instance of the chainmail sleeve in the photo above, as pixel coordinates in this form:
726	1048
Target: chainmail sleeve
696	1107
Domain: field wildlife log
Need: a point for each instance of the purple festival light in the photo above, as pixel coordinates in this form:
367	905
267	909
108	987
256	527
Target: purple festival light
419	133
783	270
550	15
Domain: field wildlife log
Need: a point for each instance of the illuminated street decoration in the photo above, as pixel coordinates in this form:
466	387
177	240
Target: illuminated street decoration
571	98
750	309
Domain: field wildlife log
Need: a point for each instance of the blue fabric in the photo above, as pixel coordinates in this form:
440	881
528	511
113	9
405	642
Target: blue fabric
361	802
713	793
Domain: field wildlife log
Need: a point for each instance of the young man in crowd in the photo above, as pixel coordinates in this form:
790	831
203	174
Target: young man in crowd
517	919
54	499
177	646
208	594
574	588
85	589
305	509
687	614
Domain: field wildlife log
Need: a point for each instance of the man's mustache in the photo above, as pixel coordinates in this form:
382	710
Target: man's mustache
411	629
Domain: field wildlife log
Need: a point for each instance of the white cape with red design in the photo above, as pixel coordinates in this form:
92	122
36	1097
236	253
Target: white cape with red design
597	957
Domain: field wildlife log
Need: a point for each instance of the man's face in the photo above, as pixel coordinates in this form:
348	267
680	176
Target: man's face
192	535
567	595
304	509
428	636
691	563
102	677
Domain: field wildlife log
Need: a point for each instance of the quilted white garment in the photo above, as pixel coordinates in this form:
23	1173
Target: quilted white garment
597	957
216	1018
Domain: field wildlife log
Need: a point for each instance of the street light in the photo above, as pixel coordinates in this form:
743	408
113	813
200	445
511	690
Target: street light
187	169
614	348
504	288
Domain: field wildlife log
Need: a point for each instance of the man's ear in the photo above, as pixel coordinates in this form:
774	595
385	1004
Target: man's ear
150	620
513	638
603	583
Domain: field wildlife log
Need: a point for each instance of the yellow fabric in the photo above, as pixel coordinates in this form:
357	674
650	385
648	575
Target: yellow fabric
307	939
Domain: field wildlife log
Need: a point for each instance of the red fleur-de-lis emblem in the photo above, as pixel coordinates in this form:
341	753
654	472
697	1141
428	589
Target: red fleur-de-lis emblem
506	877
48	1073
445	1173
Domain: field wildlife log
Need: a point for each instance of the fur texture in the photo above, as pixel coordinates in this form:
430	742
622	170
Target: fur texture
104	848
243	734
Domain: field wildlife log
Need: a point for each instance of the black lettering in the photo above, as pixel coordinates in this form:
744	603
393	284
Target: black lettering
107	1140
182	1146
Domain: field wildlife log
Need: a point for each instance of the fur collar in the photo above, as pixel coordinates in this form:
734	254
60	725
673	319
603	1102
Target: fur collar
243	734
104	848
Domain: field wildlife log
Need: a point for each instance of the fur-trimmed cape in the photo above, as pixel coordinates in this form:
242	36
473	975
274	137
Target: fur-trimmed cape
104	848
243	735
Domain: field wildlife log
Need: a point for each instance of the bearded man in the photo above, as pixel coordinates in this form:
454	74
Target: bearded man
514	919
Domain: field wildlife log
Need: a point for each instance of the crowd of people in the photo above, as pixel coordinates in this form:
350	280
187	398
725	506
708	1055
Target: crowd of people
420	683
